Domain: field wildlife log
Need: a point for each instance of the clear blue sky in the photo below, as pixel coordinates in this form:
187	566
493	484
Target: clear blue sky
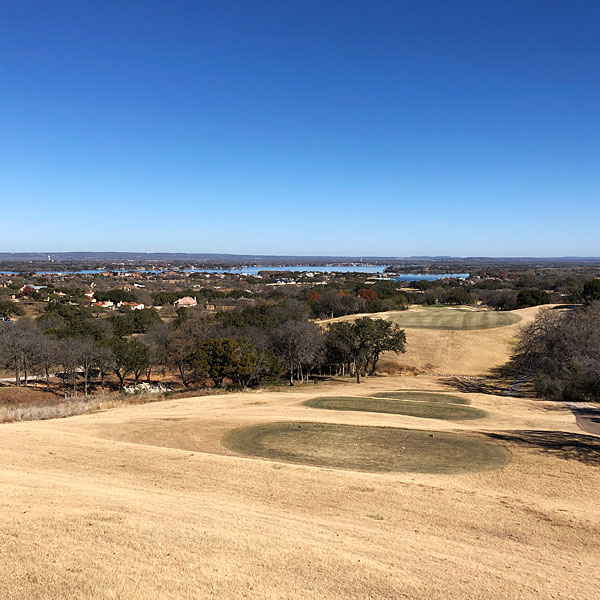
301	127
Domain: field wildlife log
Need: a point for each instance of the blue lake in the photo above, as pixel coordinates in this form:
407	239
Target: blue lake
367	269
424	277
241	270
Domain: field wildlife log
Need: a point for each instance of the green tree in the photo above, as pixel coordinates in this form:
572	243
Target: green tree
134	321
10	308
386	337
65	320
591	291
362	342
115	295
129	356
222	358
533	297
164	298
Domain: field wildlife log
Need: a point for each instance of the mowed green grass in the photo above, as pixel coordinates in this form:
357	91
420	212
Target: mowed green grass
374	449
424	410
437	317
423	397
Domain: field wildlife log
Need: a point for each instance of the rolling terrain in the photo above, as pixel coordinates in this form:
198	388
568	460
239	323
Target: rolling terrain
438	341
208	497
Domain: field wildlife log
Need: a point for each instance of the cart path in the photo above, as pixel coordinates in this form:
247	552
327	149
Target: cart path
587	416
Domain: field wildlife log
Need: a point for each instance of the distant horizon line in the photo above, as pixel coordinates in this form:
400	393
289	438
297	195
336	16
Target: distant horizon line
158	255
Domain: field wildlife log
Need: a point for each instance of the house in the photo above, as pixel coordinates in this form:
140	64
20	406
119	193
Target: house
131	305
185	302
105	304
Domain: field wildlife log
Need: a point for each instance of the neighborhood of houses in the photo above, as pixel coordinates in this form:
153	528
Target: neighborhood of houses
184	302
28	288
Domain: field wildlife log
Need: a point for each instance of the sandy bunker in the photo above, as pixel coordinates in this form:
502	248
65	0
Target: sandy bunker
374	449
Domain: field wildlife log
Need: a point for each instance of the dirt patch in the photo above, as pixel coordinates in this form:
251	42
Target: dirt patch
374	449
425	410
24	395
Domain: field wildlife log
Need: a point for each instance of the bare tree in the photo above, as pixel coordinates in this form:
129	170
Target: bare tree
564	350
69	361
299	345
48	355
18	343
104	362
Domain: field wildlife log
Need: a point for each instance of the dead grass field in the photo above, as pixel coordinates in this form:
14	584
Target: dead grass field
145	501
451	351
16	396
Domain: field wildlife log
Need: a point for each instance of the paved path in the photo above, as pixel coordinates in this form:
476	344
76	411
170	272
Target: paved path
587	416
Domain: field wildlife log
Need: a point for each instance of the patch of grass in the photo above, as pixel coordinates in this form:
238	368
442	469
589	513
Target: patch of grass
426	410
453	318
423	397
372	449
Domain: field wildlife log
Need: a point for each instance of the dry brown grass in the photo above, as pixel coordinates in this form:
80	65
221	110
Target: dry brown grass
436	351
19	396
143	501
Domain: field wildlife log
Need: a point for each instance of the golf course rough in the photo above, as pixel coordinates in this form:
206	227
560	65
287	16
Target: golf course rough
371	449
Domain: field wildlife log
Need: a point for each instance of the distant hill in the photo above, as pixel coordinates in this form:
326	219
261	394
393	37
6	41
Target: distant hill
270	258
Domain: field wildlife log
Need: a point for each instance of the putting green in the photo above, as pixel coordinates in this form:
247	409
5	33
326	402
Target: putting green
423	397
425	410
373	449
439	317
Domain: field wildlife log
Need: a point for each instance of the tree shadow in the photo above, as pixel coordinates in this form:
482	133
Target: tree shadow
496	382
566	307
592	413
568	446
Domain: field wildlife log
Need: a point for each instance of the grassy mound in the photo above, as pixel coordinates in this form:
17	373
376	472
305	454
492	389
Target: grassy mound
423	397
437	317
426	410
374	449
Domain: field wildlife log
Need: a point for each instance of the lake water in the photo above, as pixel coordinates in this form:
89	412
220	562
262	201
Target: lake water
370	269
367	269
427	277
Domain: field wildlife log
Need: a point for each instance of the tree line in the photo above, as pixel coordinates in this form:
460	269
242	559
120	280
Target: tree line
258	343
563	349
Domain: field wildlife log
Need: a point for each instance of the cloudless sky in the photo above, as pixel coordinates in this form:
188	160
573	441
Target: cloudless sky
301	127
